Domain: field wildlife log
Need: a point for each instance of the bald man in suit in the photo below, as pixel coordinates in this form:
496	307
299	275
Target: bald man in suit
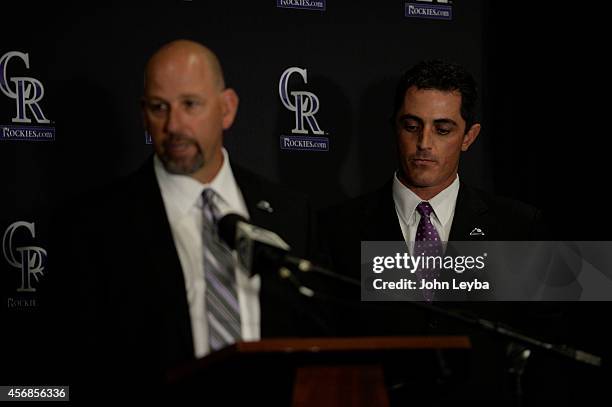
141	251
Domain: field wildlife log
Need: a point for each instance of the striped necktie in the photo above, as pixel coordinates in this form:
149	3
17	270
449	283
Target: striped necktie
222	308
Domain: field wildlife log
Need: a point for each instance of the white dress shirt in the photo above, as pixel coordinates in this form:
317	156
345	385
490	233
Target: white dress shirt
443	205
182	196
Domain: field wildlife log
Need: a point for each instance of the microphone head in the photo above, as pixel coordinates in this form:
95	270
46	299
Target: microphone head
227	228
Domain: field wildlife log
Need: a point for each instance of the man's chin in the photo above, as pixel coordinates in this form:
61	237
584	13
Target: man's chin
183	167
419	179
423	182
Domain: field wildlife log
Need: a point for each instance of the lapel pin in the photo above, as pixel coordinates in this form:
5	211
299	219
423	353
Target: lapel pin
265	206
477	232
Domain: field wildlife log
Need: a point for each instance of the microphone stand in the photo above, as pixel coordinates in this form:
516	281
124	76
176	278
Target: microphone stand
495	327
518	349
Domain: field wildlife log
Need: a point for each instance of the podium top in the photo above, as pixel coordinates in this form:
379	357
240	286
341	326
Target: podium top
284	349
289	345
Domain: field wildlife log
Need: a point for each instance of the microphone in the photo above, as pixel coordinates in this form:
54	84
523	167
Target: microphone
259	249
256	247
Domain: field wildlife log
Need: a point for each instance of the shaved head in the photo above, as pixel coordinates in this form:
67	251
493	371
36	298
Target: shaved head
187	52
186	108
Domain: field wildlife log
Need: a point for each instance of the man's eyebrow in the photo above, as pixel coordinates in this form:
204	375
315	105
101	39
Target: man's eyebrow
190	96
436	121
446	121
410	117
185	96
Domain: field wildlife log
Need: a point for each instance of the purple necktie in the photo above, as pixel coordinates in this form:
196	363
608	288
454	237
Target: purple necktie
427	243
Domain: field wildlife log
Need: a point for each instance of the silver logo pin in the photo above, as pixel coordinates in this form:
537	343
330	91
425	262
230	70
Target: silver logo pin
265	206
477	232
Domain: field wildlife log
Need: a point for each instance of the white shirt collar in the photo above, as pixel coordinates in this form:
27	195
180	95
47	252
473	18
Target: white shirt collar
182	192
443	203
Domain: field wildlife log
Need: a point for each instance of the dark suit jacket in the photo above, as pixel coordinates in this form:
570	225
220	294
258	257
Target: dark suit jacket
126	284
372	217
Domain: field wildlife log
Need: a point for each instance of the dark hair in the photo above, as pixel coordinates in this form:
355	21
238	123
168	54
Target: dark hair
444	76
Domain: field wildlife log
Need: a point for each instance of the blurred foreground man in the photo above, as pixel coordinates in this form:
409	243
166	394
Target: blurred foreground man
152	284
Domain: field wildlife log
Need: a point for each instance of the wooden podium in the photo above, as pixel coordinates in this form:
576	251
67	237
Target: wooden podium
310	371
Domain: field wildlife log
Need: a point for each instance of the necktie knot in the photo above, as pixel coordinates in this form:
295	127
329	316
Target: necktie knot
424	209
210	209
207	196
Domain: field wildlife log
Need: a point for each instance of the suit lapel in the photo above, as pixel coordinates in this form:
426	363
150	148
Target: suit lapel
273	302
164	262
381	218
261	211
471	221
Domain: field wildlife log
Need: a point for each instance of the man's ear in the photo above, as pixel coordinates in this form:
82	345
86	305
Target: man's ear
470	136
230	107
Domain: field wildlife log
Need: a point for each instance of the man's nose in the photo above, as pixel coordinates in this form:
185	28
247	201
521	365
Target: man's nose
174	120
425	139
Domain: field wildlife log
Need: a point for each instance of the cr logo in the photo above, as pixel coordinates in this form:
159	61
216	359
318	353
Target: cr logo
304	104
29	259
27	91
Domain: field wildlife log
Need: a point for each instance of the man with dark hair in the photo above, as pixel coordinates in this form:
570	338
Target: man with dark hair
434	120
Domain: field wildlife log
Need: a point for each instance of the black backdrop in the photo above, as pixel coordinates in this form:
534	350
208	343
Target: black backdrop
540	71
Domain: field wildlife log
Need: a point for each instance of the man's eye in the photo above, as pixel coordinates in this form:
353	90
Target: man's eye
443	131
411	127
190	104
157	107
